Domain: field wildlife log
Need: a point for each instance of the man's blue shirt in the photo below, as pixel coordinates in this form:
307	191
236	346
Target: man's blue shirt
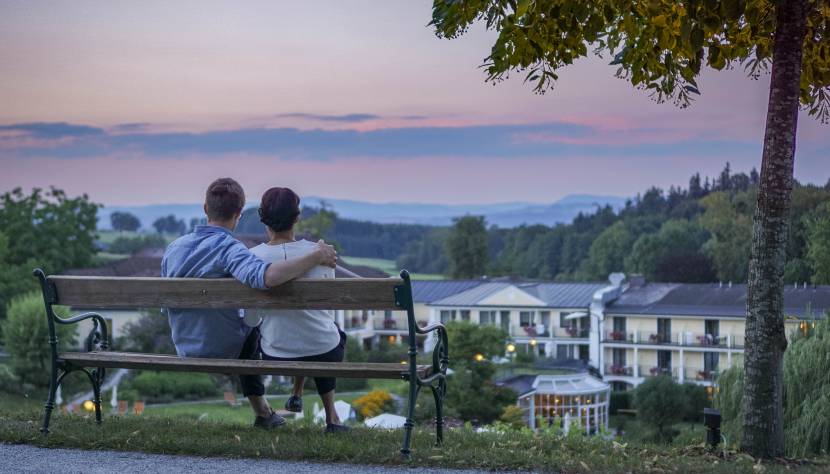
210	252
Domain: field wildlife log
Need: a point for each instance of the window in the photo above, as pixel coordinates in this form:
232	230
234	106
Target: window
564	323
619	324
663	331
618	357
526	318
504	319
487	317
447	316
710	362
545	318
465	314
712	328
664	361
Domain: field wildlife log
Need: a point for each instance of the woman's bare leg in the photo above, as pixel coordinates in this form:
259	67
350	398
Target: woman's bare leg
328	404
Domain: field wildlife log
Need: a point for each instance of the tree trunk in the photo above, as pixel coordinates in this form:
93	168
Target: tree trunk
765	339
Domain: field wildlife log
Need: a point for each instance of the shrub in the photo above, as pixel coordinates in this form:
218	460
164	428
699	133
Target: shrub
132	245
696	400
659	402
26	337
161	387
374	403
619	400
513	417
151	333
354	353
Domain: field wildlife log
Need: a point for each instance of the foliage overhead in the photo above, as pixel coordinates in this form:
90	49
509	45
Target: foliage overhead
659	46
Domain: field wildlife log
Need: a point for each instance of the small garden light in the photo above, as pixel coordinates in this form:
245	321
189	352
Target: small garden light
479	357
533	342
511	347
88	405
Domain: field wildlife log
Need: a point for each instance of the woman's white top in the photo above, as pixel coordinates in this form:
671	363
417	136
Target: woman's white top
295	333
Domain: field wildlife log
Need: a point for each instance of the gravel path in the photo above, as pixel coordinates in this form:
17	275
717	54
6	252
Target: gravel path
24	458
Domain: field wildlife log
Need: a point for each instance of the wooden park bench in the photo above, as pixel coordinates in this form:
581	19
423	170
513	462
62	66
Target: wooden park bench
347	294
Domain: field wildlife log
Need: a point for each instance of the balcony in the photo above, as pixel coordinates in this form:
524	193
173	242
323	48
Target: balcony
621	370
619	336
701	375
686	339
654	371
538	330
389	324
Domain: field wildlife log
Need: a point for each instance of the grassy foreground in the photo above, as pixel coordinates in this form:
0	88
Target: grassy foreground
300	441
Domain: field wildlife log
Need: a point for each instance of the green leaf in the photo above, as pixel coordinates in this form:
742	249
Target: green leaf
696	38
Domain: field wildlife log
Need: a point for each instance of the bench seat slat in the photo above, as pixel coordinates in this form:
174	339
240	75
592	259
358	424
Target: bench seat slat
133	360
137	292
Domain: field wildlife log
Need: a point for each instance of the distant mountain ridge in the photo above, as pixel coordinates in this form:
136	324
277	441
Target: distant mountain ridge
509	214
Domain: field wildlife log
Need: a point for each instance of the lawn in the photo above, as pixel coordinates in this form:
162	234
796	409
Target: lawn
463	448
389	266
220	411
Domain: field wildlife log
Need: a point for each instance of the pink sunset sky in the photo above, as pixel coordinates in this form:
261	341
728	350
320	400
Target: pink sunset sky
146	102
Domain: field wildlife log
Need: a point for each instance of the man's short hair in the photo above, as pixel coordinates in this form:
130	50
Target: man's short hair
224	199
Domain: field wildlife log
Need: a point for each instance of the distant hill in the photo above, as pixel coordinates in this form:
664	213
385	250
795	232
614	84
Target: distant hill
510	214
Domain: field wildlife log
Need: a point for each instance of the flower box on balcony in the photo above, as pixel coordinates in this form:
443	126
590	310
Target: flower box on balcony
617	335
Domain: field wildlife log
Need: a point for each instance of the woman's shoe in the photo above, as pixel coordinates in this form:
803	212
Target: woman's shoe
294	404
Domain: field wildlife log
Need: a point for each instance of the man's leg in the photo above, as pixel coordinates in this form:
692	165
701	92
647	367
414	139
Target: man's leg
328	405
297	390
252	386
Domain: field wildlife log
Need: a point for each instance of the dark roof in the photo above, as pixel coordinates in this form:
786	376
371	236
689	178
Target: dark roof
714	299
427	291
553	295
520	384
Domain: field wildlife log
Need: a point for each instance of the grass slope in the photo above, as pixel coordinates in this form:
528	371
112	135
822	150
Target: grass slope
302	441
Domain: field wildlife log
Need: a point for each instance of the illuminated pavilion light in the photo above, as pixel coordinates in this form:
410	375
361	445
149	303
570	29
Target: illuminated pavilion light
89	406
533	342
403	362
511	347
391	339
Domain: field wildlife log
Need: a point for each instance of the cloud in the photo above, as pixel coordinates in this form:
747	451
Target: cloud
347	118
131	127
500	141
52	130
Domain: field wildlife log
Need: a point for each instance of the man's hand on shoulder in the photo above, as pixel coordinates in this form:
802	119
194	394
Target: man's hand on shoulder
326	255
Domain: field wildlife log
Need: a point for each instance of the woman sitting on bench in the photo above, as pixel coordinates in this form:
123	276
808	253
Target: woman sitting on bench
297	335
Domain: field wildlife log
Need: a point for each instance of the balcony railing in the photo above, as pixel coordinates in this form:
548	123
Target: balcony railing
389	324
619	336
617	369
654	371
688	339
537	330
696	373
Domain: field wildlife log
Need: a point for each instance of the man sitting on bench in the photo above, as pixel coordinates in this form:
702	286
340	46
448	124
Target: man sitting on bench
211	251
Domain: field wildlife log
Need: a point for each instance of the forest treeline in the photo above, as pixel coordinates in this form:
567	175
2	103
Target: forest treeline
698	233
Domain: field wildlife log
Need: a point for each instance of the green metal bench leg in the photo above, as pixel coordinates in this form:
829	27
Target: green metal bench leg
50	402
95	379
438	394
410	418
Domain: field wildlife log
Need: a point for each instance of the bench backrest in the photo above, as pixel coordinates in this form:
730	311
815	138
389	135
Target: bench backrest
118	292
